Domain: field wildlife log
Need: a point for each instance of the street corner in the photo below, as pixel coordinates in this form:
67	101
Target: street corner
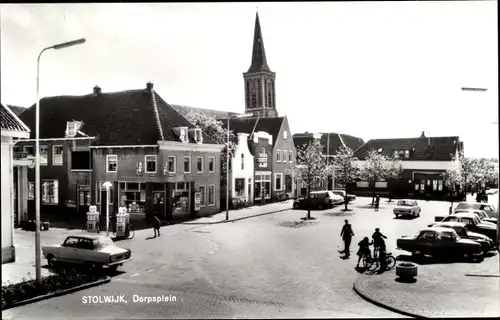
439	292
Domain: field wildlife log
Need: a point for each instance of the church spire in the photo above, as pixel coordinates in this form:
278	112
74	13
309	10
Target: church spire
259	61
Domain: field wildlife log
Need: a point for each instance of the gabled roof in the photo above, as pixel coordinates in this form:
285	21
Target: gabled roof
259	60
331	141
17	110
212	113
10	121
423	148
250	125
117	118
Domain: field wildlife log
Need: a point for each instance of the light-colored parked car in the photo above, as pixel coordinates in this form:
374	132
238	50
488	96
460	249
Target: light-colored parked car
96	251
344	195
482	215
489	208
407	207
460	228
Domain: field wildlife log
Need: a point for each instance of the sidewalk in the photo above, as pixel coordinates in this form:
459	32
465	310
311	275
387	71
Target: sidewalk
23	268
245	213
441	290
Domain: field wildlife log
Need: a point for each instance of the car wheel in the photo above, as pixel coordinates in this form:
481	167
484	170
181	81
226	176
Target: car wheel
114	268
397	215
418	214
320	207
93	266
296	206
51	260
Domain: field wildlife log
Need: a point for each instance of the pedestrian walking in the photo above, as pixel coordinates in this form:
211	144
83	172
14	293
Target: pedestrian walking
377	202
364	249
346	235
156	226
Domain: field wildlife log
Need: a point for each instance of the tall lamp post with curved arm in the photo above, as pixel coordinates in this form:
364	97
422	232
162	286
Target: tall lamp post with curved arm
246	115
37	154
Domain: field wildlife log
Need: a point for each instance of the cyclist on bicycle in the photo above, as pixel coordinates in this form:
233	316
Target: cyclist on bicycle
377	237
364	249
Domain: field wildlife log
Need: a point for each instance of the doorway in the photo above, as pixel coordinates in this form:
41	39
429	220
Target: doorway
83	198
159	203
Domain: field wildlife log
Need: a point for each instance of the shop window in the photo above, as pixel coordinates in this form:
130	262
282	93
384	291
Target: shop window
288	183
362	184
203	191
422	185
31	190
417	186
181	198
211	195
187	164
132	196
278	155
57	155
434	185
150	163
278	177
211	165
50	192
440	185
111	163
171	164
44	150
199	164
381	184
239	187
29	150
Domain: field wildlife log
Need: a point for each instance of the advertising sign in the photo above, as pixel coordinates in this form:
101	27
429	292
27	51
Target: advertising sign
197	201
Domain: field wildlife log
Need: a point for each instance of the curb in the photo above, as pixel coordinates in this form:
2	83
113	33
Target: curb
233	220
383	305
57	293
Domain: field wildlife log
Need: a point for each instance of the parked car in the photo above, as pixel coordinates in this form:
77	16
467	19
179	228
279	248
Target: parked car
407	207
472	223
96	251
489	208
482	215
439	242
491	191
460	228
318	200
344	195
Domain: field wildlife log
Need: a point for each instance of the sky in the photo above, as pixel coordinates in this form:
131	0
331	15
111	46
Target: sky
368	69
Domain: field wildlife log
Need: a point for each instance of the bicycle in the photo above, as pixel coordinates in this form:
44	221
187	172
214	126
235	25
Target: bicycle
390	262
369	263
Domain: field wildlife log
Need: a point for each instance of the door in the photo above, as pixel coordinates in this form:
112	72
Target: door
159	202
68	252
83	199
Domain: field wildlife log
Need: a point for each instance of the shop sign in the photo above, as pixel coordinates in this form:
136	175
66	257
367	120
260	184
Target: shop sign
197	201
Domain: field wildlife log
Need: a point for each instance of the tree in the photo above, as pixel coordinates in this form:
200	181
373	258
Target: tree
476	172
454	178
310	168
346	170
378	167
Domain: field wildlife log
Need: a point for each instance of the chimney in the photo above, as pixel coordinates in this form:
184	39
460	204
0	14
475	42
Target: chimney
423	135
97	90
149	86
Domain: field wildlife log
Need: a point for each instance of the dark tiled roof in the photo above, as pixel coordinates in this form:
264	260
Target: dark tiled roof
431	148
17	110
212	113
249	125
118	118
333	140
9	121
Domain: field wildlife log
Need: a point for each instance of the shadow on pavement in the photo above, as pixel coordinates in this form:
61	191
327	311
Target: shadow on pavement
69	269
401	280
341	213
404	217
296	224
427	260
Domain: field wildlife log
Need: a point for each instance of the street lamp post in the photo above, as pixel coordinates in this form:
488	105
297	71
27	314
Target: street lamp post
107	185
38	262
246	115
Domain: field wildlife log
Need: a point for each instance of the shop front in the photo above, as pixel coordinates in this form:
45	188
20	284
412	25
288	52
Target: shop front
429	184
262	184
181	198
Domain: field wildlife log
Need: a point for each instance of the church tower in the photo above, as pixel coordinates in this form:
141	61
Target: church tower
259	80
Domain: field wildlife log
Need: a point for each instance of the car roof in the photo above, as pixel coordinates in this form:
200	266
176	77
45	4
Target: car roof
87	236
465	214
449	223
437	229
406	200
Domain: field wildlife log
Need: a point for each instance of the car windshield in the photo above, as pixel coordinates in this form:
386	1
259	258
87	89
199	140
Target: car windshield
468	206
405	203
103	242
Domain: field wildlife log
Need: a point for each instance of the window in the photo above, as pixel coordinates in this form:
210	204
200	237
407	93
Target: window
285	134
71	242
81	160
133	196
285	155
150	163
434	184
57	155
239	187
203	191
278	155
31	190
44	150
407	154
199	164
29	150
278	180
440	185
171	164
187	164
290	158
183	135
211	165
362	184
198	136
211	195
242	161
111	163
50	192
381	184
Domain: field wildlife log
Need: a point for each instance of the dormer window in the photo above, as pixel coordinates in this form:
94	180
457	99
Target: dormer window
182	133
198	136
71	129
402	154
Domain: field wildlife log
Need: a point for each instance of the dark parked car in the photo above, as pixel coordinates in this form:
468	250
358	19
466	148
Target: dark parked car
318	200
439	242
486	243
472	223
